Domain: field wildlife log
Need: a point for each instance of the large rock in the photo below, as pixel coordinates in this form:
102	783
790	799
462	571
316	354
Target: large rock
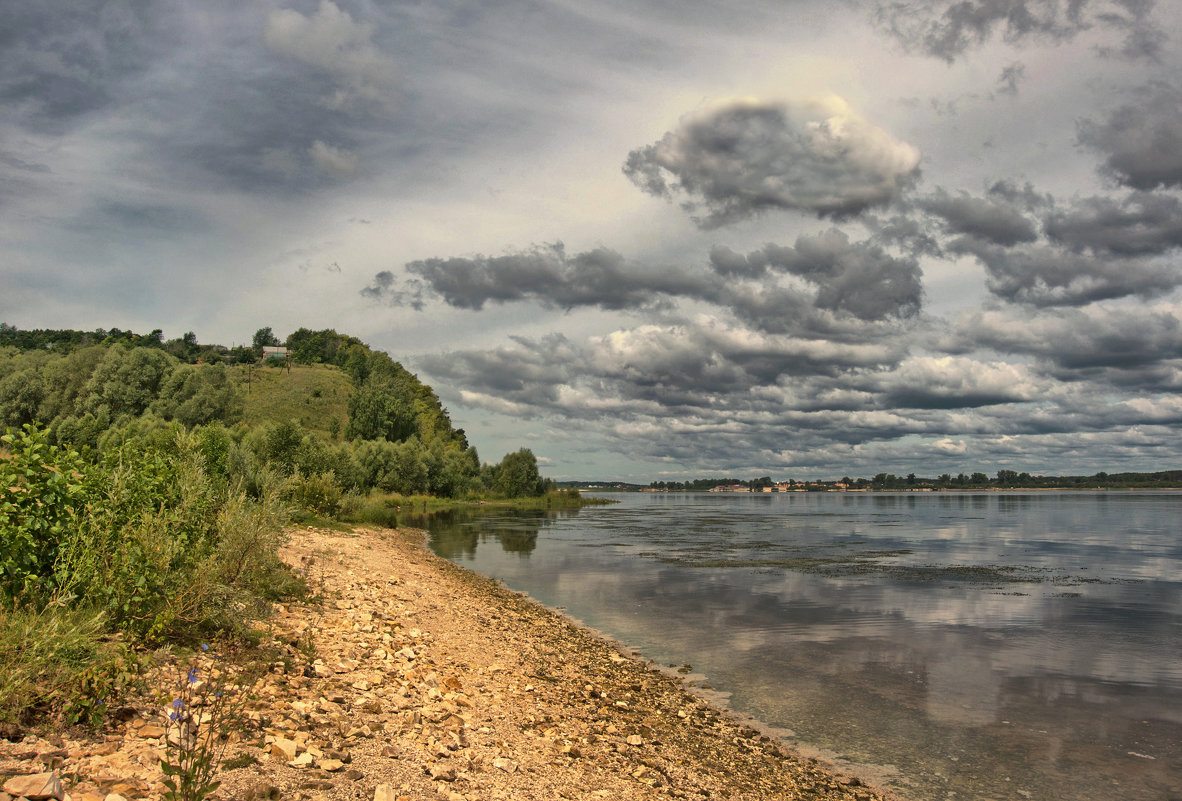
35	787
284	749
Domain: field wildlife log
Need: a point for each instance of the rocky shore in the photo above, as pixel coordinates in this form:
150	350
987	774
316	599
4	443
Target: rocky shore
412	678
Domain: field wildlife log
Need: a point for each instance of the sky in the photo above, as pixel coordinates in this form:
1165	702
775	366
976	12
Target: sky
648	240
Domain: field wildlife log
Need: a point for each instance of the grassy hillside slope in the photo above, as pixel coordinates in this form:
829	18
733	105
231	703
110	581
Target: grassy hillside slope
317	395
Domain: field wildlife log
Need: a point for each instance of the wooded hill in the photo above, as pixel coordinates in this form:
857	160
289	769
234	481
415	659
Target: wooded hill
336	414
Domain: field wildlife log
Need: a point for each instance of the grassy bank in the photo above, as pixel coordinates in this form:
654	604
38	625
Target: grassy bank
386	509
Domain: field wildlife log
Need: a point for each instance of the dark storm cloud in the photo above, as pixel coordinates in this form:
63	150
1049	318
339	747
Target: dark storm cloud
747	158
18	177
1141	141
1047	276
839	288
1138	342
1042	252
948	28
382	286
949	383
987	219
65	60
695	394
1023	198
599	278
905	232
1011	76
22	165
226	95
855	278
1143	223
160	221
650	370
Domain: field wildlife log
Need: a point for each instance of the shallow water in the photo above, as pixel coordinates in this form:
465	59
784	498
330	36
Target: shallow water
953	645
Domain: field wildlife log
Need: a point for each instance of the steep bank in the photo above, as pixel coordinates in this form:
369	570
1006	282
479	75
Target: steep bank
429	681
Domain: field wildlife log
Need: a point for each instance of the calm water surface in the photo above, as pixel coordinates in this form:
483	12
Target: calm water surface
955	646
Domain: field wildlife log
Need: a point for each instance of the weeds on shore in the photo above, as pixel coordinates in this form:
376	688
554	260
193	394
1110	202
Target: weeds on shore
103	557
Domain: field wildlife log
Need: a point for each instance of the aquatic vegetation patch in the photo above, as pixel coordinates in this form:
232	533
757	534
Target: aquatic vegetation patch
872	563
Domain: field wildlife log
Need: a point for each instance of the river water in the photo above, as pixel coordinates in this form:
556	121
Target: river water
945	645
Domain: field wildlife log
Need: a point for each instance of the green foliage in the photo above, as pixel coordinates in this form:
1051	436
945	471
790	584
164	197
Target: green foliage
317	494
43	494
517	475
129	389
65	381
378	411
215	443
146	536
277	444
368	511
262	338
451	471
21	394
127	381
327	346
316	396
60	658
146	431
196	395
357	364
392	466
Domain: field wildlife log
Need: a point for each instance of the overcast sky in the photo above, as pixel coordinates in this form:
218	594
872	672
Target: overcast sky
647	239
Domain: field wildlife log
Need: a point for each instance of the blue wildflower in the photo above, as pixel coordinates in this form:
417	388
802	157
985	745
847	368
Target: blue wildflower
192	675
204	647
177	703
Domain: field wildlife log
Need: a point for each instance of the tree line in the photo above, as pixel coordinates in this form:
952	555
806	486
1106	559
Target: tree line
1003	479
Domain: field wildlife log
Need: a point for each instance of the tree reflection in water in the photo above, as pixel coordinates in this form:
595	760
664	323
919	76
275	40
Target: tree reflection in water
454	534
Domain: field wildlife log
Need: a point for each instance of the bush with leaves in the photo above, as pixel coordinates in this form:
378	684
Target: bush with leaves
44	494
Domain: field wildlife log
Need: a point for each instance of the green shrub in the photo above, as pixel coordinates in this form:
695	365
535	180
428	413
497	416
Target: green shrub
379	511
43	494
317	494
